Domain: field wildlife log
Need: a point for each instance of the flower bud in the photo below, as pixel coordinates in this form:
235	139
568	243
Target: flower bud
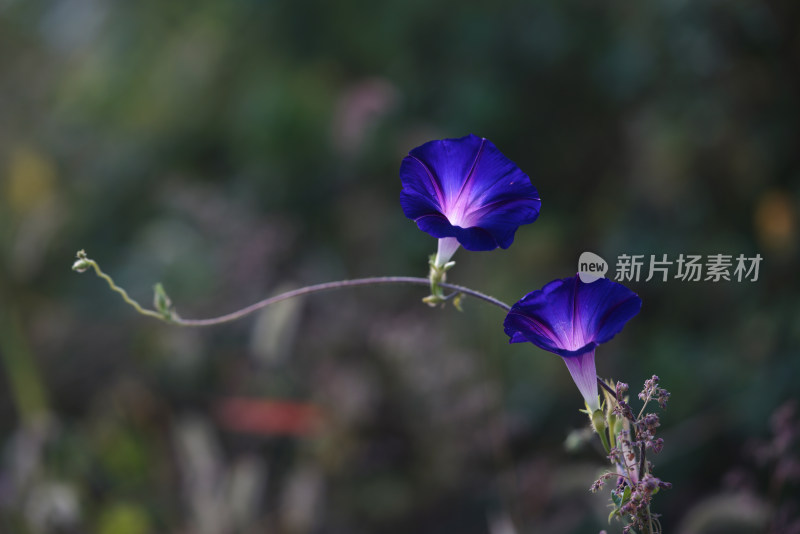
81	265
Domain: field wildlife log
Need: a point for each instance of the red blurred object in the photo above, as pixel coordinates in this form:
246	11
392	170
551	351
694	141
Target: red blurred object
267	417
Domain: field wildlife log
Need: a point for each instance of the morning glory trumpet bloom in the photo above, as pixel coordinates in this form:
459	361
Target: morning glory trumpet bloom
465	192
571	318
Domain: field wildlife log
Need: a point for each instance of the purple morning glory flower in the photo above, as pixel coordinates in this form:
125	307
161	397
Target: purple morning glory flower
571	318
465	192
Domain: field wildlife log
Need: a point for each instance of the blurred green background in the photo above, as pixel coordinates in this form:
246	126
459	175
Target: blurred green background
234	149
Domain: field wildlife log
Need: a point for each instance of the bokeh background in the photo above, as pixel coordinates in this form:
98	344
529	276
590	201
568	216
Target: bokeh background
234	149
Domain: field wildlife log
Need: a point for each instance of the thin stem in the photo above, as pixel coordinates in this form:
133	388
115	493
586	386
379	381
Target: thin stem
650	520
643	460
171	317
605	386
327	286
646	400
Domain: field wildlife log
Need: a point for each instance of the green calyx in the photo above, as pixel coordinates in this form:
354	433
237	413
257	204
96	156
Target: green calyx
438	275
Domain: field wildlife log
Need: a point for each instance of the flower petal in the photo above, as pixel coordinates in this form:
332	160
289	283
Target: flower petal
450	161
605	306
570	317
467	189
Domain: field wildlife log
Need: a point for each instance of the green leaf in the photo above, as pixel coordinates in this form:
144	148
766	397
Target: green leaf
457	300
161	301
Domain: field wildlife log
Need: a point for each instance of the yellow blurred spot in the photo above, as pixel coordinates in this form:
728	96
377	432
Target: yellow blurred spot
123	518
31	179
776	221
